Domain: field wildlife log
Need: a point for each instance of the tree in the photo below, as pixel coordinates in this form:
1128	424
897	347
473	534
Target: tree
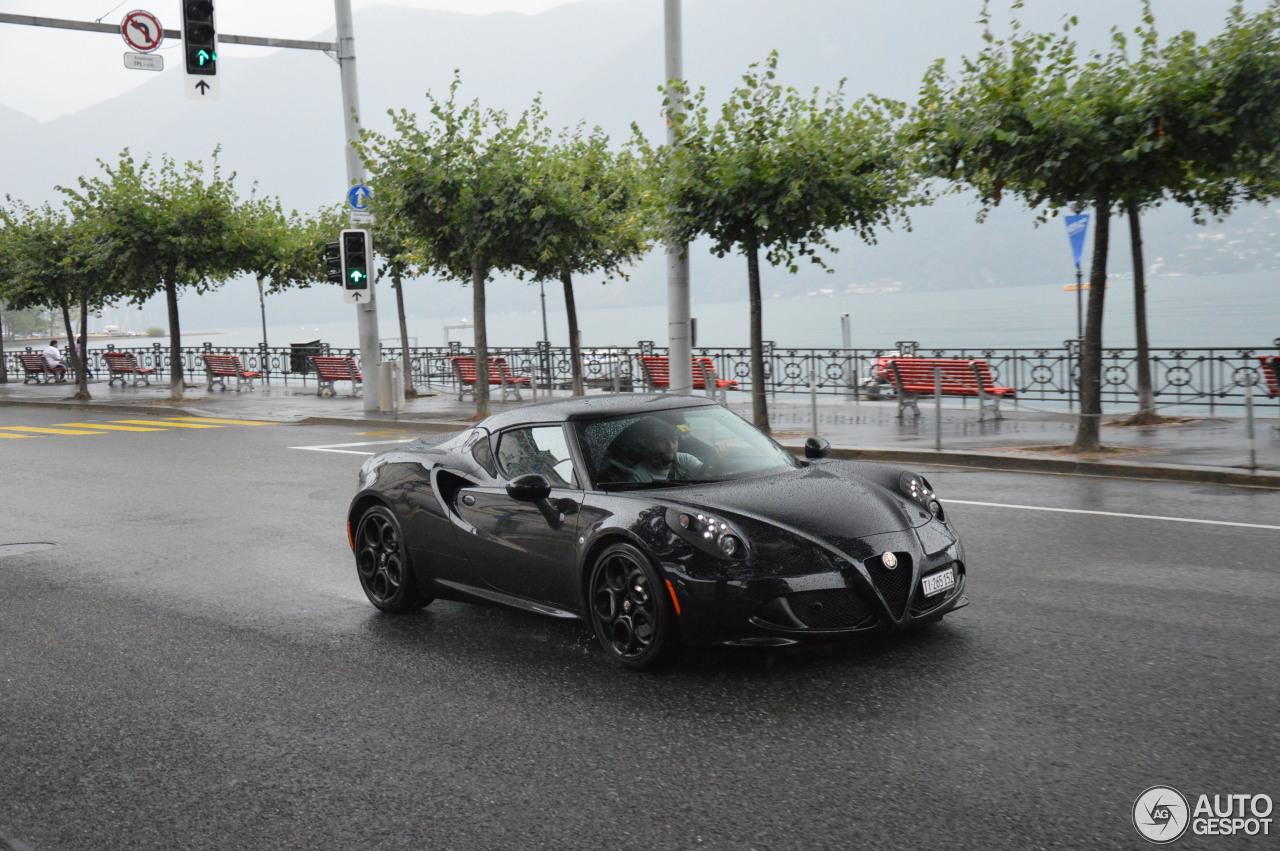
776	172
1026	116
168	228
464	186
286	251
1204	121
596	222
54	260
1020	119
400	259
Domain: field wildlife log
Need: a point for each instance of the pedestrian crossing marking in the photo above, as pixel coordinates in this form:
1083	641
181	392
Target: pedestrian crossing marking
105	427
39	430
165	424
220	421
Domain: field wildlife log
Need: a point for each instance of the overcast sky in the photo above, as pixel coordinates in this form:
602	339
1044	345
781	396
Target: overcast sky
47	72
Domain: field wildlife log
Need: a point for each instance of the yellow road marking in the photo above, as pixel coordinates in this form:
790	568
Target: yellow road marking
218	421
38	430
164	425
105	427
15	435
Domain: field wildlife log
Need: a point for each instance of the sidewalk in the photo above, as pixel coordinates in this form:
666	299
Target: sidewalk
1206	449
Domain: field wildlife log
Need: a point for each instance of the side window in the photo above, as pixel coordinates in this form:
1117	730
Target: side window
542	449
478	444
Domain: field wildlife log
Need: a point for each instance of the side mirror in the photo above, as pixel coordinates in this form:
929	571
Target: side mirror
532	487
816	447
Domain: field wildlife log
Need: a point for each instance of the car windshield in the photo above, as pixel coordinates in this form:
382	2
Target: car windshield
680	446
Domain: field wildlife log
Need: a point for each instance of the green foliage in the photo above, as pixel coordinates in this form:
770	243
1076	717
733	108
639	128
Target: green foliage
49	259
167	224
288	249
461	184
595	214
154	331
779	171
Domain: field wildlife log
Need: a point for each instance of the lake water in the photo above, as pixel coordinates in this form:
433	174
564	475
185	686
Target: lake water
1225	310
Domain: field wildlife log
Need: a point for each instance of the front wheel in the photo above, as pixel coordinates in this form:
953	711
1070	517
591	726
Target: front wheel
382	562
630	609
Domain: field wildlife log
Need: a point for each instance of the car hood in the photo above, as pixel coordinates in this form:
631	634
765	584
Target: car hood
830	505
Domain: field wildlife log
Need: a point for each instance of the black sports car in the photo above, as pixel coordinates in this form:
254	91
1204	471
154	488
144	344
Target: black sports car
662	520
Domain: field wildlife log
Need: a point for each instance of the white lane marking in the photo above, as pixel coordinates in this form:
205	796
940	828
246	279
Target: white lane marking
340	448
1115	514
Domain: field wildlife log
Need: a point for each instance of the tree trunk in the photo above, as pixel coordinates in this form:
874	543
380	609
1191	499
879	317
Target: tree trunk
4	370
1146	396
759	391
73	356
1089	431
175	338
409	392
478	274
575	351
82	357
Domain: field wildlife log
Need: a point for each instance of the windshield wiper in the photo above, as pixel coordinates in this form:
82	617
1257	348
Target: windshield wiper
636	486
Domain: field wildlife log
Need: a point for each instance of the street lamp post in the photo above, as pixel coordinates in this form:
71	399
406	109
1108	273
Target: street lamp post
679	348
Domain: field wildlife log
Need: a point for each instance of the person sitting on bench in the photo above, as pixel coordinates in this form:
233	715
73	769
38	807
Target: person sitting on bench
53	357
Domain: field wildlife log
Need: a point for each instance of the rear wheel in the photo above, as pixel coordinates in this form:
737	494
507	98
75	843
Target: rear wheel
382	562
630	609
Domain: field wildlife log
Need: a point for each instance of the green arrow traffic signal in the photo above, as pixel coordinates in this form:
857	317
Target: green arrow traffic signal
357	253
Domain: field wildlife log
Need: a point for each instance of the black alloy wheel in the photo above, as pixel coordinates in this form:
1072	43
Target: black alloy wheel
630	608
383	564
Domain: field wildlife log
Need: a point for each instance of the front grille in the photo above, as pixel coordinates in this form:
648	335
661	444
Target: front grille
837	608
894	585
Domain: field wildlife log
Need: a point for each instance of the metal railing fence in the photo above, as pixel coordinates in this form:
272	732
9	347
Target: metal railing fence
1184	377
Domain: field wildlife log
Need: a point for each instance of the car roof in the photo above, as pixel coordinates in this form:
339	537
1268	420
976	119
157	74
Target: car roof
591	407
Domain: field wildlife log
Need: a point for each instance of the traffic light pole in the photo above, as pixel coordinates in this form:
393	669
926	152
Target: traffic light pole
366	312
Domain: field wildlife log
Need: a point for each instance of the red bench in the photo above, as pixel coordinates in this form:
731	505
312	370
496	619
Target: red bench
333	369
655	371
1271	372
38	371
464	373
221	367
913	378
122	366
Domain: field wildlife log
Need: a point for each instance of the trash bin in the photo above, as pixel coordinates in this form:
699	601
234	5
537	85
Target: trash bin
390	387
299	354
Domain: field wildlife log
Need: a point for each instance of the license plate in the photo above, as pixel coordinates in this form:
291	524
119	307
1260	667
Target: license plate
936	583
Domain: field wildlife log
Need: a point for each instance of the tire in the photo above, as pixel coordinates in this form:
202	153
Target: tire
382	563
631	611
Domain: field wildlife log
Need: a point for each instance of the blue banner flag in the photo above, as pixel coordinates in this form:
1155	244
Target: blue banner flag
1077	227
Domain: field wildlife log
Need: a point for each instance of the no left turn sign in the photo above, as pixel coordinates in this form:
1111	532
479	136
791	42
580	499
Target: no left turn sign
142	31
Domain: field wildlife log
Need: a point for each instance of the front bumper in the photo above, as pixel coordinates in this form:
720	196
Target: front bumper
841	598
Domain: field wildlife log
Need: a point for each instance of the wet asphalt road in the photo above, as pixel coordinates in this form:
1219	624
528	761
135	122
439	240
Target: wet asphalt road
193	665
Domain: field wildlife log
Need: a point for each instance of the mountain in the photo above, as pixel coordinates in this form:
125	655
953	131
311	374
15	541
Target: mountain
279	126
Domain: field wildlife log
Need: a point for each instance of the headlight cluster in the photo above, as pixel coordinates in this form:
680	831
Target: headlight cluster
710	532
917	488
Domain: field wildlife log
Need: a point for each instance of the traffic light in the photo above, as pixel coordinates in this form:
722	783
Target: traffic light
333	262
199	38
357	255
